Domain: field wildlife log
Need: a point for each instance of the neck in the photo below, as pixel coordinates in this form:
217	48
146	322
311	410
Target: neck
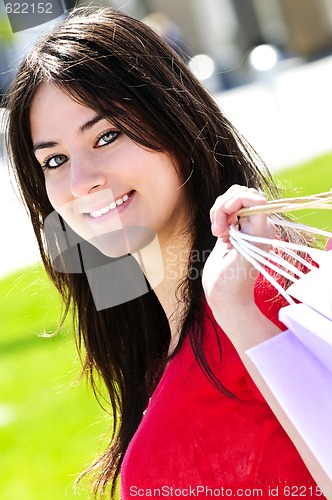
175	260
165	266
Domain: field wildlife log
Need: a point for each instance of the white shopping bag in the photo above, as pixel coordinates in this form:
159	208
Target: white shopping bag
297	367
315	288
297	364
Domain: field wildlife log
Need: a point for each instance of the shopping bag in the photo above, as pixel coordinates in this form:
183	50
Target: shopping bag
297	364
297	367
315	288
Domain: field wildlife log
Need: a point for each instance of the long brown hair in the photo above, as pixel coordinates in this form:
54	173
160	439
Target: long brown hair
120	68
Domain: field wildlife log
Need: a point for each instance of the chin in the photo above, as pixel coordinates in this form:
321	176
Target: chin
121	242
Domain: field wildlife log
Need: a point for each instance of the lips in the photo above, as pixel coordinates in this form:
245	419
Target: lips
94	214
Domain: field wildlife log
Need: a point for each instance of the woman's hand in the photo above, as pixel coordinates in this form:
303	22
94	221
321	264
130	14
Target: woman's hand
228	278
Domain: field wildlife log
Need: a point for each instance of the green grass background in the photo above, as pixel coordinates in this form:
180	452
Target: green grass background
50	425
314	176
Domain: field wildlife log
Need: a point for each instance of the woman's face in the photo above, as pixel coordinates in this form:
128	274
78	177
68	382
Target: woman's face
99	180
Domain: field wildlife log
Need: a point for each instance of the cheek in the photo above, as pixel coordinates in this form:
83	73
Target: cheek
56	193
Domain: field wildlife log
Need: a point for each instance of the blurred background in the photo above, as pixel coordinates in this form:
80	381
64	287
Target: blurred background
268	63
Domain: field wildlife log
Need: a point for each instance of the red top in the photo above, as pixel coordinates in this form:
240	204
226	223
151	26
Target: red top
193	439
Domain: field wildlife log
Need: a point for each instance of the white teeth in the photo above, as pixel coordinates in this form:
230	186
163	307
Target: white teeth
97	213
102	211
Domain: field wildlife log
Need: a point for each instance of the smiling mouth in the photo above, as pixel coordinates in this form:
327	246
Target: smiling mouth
111	206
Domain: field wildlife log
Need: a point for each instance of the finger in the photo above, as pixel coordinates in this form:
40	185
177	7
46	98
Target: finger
220	202
225	210
244	199
232	192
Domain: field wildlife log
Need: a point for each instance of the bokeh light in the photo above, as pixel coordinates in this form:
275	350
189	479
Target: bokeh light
263	57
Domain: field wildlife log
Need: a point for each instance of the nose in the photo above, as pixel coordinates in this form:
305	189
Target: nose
85	177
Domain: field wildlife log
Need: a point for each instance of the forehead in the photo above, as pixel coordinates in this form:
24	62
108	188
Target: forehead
53	109
49	98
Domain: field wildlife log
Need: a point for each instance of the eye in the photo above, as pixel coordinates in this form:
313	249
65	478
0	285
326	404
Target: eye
107	138
55	161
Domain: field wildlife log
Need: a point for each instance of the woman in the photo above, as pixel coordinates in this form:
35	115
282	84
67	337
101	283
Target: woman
108	127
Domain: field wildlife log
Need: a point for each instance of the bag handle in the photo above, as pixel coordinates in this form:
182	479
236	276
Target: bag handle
263	260
319	200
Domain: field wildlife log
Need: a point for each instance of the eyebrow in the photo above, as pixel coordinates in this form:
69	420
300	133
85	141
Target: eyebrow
86	126
91	123
43	145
